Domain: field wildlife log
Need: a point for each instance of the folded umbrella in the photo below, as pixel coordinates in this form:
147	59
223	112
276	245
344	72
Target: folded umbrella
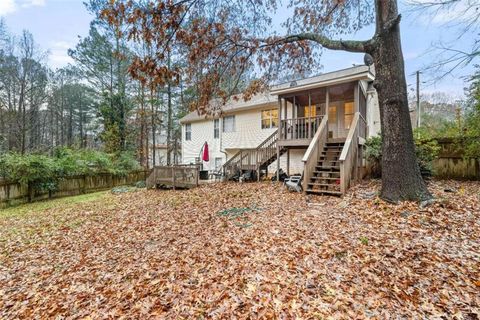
205	156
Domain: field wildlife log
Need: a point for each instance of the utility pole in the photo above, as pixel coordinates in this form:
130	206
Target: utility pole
418	100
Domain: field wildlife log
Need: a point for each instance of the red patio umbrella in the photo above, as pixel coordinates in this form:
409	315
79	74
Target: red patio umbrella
205	155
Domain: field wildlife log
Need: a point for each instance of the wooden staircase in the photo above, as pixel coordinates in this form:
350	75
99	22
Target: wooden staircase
332	166
325	178
257	159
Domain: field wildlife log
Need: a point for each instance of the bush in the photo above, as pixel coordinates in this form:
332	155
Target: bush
37	172
373	153
426	150
42	173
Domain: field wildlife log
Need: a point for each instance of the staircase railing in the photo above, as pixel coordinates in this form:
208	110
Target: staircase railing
349	162
312	154
267	149
251	159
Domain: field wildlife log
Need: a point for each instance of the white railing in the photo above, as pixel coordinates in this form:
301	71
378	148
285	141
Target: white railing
312	154
299	128
349	162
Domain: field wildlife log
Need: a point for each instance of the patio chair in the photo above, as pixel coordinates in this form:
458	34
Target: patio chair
294	183
217	175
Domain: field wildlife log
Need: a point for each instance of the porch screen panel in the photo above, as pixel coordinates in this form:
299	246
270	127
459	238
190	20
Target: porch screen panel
349	112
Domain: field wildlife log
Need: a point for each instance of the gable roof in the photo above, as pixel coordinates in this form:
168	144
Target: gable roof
268	98
234	105
330	78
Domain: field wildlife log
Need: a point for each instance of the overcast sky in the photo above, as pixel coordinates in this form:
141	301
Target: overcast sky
57	24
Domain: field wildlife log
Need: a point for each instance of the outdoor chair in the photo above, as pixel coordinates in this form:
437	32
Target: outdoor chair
294	183
217	175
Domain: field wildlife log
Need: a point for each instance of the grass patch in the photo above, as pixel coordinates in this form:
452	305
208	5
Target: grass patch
63	203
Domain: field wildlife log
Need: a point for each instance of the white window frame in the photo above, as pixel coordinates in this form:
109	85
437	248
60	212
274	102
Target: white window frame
216	128
233	124
271	119
188	132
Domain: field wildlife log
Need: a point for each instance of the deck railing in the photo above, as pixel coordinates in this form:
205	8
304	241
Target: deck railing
350	156
299	128
180	176
251	159
312	154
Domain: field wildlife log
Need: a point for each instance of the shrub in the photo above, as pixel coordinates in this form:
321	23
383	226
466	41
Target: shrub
426	151
42	173
37	172
373	153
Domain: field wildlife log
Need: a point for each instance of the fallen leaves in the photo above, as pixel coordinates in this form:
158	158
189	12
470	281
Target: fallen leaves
245	251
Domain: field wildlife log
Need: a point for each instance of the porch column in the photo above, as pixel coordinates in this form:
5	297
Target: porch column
327	105
279	135
311	118
356	98
285	109
294	118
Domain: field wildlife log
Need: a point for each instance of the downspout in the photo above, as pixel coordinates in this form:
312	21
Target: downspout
220	136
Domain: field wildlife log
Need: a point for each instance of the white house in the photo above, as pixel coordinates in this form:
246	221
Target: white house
315	126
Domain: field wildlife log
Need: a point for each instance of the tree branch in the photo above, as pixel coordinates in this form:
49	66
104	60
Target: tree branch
345	45
392	23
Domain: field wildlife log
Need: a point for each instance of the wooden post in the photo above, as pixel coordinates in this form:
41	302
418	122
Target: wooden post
294	117
279	118
327	105
310	117
285	108
173	177
197	172
288	161
278	163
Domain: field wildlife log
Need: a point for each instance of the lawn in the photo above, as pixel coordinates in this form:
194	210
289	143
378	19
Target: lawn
243	251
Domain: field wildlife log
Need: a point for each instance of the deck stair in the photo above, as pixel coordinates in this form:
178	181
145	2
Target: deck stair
325	179
257	159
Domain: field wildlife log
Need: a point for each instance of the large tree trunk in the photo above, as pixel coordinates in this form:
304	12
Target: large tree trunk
401	178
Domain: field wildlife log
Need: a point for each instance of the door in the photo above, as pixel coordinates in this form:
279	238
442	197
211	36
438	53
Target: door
340	116
332	120
347	117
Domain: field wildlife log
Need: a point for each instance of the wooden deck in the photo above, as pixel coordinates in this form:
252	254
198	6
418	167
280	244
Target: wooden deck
177	176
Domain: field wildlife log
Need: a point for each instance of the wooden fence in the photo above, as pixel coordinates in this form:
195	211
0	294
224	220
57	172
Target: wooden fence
452	163
14	193
177	176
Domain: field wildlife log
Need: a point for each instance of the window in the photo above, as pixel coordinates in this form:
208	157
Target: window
310	111
188	132
229	124
218	163
216	128
270	119
348	115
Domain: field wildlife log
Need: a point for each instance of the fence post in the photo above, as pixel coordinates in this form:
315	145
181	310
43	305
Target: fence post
173	177
197	171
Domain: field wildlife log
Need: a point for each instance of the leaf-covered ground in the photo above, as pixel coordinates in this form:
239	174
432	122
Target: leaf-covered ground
244	251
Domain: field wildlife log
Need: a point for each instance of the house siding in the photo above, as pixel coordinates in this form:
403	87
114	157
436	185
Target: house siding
202	131
248	134
373	114
248	130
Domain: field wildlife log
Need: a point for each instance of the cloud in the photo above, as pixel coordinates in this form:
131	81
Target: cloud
7	7
10	6
58	56
32	3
